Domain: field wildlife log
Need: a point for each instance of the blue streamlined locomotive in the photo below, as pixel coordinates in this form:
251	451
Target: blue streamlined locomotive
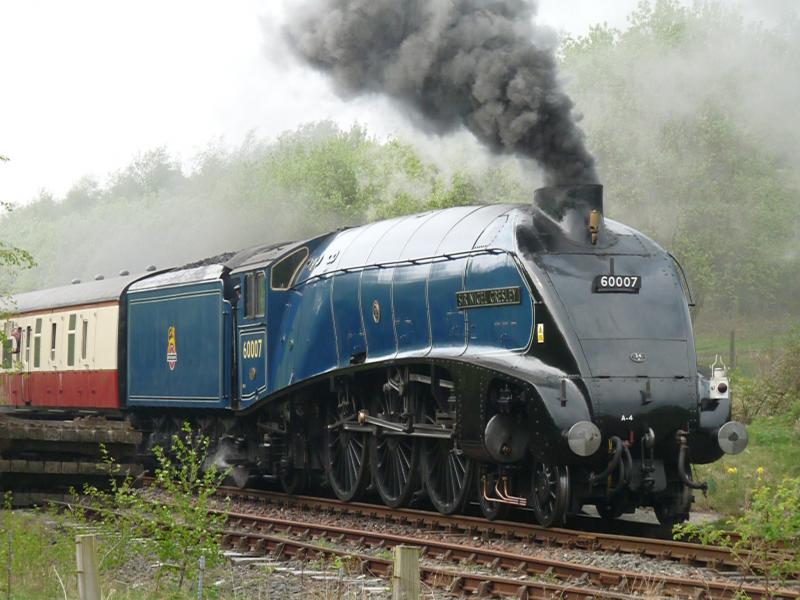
537	356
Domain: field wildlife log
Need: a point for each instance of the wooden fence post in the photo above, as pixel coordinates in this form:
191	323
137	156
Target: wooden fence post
86	557
405	575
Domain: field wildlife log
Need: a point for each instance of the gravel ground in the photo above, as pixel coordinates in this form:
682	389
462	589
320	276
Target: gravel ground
262	578
620	562
290	580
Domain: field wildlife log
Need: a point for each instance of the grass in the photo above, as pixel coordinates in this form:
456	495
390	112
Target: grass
766	395
37	551
752	350
773	449
42	566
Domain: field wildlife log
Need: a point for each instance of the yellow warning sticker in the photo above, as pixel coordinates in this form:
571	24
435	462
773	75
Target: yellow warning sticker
540	333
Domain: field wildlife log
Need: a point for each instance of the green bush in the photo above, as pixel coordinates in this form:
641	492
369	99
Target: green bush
775	389
765	538
173	525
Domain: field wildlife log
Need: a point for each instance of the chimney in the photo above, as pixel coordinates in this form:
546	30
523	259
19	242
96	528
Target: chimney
577	210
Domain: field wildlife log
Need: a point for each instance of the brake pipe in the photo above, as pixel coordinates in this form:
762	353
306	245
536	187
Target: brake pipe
612	464
687	481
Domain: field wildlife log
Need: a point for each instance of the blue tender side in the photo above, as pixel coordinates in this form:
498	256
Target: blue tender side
179	345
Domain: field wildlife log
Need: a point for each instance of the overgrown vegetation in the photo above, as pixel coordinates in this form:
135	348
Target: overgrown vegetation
774	389
12	261
150	540
34	552
175	528
769	402
765	537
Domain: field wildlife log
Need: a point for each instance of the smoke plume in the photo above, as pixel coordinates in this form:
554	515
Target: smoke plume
454	62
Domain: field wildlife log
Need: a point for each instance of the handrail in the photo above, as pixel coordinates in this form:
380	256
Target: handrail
685	280
403	262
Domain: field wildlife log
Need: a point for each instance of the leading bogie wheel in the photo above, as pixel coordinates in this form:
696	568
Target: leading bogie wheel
609	509
550	494
294	481
674	509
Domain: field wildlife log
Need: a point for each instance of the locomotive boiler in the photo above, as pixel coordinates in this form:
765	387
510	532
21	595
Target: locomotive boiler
537	356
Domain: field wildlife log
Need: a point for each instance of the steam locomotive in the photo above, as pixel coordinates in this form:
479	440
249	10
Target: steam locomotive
537	356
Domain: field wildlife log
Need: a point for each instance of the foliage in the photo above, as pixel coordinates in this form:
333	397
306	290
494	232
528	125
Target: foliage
309	181
42	565
36	554
178	530
765	538
766	395
772	454
689	148
775	388
11	258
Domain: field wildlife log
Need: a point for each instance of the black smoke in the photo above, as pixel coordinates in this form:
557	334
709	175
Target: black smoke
454	62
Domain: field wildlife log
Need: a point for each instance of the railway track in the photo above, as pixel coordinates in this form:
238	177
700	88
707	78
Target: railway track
465	568
453	581
486	571
686	552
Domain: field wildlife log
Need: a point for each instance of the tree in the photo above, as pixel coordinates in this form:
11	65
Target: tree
690	148
12	259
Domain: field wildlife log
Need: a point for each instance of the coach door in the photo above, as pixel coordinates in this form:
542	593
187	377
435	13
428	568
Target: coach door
25	350
252	336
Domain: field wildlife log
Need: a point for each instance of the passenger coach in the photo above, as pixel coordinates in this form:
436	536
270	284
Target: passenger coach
62	346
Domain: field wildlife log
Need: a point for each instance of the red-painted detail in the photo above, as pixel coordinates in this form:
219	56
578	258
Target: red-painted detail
60	389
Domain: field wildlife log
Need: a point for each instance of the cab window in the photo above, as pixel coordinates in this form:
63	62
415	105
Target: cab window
285	271
255	291
261	294
249	296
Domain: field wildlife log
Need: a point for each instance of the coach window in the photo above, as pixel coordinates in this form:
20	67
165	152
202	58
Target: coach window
28	335
71	341
37	343
7	347
53	332
84	338
286	270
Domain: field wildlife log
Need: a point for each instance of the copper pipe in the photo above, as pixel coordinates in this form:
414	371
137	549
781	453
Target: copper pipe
501	497
506	496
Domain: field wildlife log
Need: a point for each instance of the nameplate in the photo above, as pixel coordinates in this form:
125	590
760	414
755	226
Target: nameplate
491	297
